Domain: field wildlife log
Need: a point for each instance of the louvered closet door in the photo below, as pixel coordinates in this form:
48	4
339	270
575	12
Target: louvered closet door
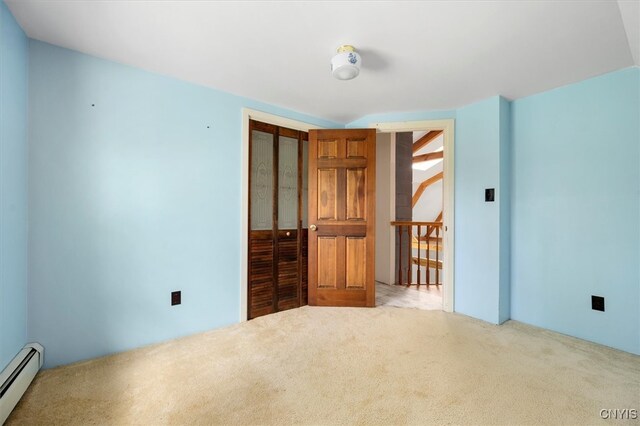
261	241
277	238
287	220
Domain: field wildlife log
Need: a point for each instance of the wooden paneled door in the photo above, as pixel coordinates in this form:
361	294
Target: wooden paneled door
342	217
277	219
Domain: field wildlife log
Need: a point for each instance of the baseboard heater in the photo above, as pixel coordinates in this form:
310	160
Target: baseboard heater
15	379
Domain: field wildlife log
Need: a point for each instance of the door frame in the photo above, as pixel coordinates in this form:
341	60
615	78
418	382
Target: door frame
448	128
276	120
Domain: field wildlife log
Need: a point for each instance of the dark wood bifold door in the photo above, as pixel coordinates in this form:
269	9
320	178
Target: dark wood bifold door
277	219
342	181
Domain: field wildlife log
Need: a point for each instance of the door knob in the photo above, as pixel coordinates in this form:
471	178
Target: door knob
313	228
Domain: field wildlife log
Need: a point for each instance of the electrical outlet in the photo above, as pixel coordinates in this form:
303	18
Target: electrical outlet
597	303
489	195
176	298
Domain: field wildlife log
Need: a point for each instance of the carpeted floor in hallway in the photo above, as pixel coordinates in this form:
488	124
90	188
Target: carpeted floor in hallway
344	366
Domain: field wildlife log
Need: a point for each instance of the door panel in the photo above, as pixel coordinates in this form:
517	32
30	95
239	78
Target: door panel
304	267
356	148
303	179
327	185
356	262
304	182
261	282
287	183
261	180
327	148
342	211
356	194
328	252
287	270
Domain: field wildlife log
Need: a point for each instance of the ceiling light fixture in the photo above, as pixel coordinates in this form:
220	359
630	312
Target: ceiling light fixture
345	65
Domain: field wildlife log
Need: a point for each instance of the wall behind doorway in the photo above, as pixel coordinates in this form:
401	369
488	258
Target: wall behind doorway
385	207
404	193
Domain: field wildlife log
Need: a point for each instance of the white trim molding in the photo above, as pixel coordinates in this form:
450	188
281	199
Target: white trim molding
448	126
265	117
392	207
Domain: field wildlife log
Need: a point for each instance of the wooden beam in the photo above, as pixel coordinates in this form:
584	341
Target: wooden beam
413	223
435	264
433	245
425	140
438	219
424	185
430	156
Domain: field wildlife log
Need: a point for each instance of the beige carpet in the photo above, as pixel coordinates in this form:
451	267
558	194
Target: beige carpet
344	366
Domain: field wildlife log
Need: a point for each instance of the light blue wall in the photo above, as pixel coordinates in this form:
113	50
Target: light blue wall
481	154
129	200
576	214
13	186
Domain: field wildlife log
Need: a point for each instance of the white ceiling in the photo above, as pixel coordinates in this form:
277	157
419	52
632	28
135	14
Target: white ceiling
630	11
416	55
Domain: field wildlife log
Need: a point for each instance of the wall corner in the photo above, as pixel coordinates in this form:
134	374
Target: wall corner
504	304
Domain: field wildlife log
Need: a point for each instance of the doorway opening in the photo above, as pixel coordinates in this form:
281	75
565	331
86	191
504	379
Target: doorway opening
414	252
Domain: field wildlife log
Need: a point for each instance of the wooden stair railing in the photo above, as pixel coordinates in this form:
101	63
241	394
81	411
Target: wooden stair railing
433	264
438	219
419	237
